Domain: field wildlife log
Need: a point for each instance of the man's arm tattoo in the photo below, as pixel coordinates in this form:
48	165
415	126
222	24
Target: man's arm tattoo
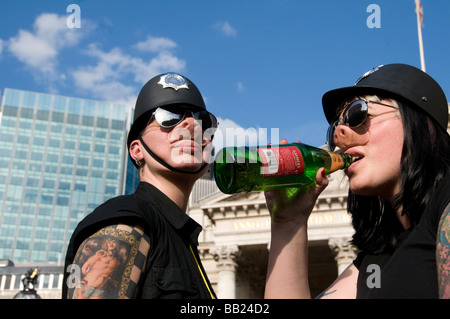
111	262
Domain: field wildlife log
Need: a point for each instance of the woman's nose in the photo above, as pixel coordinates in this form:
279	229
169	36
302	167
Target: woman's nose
346	137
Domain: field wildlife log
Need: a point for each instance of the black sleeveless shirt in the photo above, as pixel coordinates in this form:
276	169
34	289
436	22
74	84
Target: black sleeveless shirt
173	268
410	271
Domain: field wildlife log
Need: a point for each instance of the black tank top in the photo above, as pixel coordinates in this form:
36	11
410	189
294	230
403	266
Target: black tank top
410	271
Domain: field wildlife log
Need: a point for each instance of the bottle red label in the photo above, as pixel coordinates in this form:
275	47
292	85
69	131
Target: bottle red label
281	161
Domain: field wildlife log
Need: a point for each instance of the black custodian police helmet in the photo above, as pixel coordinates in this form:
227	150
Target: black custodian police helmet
168	89
398	81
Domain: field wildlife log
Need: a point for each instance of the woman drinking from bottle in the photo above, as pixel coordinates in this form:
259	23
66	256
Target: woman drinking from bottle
393	122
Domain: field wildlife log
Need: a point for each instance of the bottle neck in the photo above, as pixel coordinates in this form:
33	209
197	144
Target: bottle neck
339	161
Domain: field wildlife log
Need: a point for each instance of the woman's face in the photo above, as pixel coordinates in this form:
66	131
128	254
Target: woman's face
377	146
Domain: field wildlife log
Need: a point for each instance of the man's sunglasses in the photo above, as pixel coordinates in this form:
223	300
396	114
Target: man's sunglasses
354	114
170	117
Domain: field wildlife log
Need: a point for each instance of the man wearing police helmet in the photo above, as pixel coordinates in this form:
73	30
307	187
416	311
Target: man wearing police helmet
154	252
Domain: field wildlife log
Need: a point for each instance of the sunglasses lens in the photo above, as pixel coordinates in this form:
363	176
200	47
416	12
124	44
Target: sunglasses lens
170	118
207	119
330	137
167	118
356	114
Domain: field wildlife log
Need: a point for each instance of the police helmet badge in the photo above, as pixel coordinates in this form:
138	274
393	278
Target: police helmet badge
174	81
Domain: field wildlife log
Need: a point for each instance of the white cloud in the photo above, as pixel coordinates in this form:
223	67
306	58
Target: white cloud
240	86
164	61
41	57
153	44
226	29
103	79
39	49
111	75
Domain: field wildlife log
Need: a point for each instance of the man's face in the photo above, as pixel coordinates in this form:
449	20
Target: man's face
184	146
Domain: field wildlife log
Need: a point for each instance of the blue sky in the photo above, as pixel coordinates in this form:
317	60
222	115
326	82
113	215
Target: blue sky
259	64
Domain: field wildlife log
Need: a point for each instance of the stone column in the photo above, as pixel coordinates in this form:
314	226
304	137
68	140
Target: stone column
344	252
226	256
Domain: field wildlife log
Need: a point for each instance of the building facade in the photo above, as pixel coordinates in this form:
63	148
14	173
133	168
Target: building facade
60	157
49	280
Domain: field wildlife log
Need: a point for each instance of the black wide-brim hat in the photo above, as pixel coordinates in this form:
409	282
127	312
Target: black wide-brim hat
397	81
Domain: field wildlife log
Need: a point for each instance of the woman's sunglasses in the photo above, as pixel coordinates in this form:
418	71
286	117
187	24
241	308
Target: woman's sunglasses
170	117
353	115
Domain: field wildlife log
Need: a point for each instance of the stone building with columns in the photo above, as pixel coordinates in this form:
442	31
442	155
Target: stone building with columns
234	244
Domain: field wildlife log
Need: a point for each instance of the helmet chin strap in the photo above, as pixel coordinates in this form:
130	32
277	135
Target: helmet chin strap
160	161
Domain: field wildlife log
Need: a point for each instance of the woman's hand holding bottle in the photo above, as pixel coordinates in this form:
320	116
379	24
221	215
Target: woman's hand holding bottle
293	206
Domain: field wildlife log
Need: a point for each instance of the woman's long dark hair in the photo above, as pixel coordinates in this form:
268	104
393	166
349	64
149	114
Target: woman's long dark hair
425	161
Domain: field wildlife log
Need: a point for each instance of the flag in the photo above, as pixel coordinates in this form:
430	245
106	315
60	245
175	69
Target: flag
419	11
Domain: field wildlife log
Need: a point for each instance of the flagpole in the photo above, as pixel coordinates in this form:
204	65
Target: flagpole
419	31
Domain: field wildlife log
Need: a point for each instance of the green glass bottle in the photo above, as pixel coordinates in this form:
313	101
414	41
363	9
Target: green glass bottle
246	169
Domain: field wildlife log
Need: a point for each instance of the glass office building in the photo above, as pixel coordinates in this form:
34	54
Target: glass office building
60	157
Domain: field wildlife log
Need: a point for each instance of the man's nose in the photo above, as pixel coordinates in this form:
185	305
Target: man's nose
191	125
190	120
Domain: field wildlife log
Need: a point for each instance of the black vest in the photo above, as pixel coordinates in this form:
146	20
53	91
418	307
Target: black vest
173	268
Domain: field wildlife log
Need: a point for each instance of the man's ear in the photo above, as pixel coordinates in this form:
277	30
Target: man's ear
136	151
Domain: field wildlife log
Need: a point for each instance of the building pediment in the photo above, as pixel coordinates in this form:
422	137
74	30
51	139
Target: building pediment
219	199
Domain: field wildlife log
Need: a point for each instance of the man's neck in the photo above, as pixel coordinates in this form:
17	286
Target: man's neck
178	189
